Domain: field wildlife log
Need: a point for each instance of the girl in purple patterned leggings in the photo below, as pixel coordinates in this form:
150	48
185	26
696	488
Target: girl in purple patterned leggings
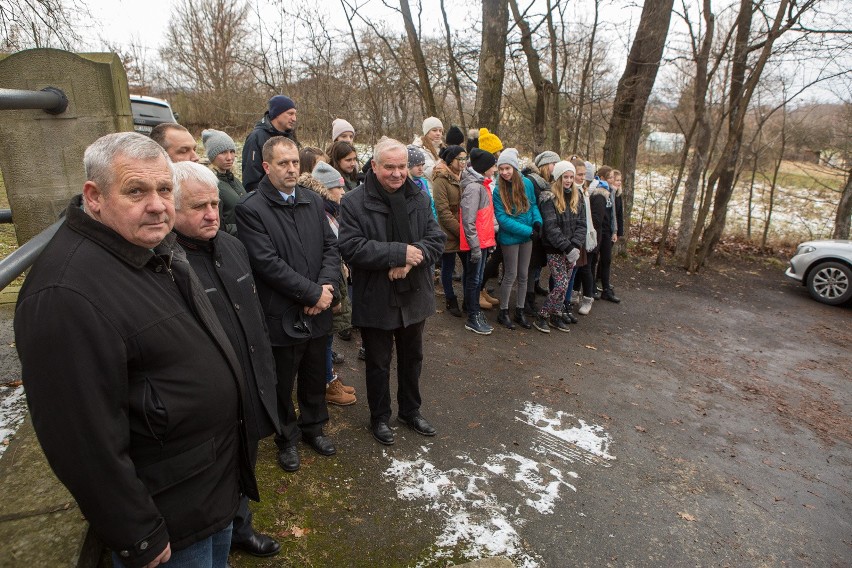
563	234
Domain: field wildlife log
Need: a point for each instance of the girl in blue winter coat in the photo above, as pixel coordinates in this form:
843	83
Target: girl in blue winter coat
520	221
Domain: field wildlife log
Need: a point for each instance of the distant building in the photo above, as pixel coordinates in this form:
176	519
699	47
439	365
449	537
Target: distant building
664	142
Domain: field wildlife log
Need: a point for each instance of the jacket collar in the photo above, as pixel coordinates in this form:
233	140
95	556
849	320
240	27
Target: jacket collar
371	186
137	257
271	193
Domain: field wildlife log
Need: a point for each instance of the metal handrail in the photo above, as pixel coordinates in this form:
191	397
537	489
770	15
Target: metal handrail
50	99
18	261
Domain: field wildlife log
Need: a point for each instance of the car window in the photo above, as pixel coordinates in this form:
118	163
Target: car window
149	111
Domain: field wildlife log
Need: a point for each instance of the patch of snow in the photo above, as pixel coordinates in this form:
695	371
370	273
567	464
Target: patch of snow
13	408
480	517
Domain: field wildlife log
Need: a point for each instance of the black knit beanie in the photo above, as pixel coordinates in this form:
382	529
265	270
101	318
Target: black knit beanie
455	137
450	153
481	161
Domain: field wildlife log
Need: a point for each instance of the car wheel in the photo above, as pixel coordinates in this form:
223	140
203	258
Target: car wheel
830	283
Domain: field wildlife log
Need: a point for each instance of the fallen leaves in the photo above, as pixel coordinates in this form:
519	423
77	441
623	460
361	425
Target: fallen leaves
640	428
686	517
295	532
592	347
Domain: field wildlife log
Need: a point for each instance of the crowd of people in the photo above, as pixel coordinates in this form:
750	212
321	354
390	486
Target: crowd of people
182	305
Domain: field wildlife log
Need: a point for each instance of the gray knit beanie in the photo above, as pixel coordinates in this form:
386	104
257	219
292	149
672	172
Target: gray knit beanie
509	156
590	171
327	175
215	142
546	157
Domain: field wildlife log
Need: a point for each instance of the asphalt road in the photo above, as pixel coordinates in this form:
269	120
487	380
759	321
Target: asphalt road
704	421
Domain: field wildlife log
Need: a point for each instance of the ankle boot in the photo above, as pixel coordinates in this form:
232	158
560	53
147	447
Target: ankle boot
521	318
568	315
585	305
494	301
453	307
484	303
529	304
504	319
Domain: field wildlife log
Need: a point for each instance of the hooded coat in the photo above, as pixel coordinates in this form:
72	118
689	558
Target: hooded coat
446	192
564	231
253	147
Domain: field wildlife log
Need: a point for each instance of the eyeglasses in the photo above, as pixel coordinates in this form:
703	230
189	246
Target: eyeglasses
461	159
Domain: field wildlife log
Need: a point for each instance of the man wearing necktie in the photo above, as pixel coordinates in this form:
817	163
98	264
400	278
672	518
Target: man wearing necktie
293	254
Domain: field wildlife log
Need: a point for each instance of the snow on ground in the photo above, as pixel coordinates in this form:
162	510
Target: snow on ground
485	501
13	408
799	213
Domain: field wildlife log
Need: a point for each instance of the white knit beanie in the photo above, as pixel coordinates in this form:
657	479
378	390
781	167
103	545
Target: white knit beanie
339	126
562	167
431	123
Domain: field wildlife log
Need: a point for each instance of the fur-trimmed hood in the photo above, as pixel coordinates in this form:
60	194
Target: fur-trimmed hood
312	183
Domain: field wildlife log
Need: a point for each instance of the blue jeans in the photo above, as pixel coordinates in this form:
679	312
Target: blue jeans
472	279
212	552
329	360
448	265
570	289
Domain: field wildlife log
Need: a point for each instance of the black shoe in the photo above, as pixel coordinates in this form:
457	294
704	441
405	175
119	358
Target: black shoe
382	433
362	354
540	324
568	315
540	291
529	304
418	424
521	318
258	545
504	319
288	458
597	295
345	334
610	297
477	324
337	358
453	307
321	445
557	322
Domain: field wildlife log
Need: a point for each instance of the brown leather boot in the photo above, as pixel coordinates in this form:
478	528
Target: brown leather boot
483	301
334	394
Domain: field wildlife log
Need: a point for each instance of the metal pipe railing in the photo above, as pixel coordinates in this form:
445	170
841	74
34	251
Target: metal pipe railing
50	99
16	263
6	216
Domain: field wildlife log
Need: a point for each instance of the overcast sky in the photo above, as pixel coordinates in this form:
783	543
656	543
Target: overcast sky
126	22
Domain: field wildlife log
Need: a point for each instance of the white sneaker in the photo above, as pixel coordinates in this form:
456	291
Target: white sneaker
585	305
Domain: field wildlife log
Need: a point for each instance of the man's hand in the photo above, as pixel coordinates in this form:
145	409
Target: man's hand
164	557
413	255
324	301
399	272
615	238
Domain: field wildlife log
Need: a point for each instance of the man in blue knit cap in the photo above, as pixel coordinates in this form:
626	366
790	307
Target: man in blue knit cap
279	120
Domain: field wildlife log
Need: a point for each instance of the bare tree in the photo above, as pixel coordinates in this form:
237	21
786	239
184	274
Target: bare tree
584	80
454	76
41	23
631	97
543	87
419	60
492	63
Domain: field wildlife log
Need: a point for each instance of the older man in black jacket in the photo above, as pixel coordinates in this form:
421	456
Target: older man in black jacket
391	241
134	389
295	260
221	263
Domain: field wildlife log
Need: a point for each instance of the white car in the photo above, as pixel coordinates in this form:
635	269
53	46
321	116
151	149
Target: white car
825	267
148	112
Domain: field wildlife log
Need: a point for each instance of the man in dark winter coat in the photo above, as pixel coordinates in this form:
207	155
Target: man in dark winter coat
279	120
294	256
222	265
134	389
391	241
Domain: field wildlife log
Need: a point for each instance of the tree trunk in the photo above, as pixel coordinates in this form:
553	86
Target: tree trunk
742	91
540	84
555	112
492	63
843	219
584	81
631	97
454	76
419	59
774	184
